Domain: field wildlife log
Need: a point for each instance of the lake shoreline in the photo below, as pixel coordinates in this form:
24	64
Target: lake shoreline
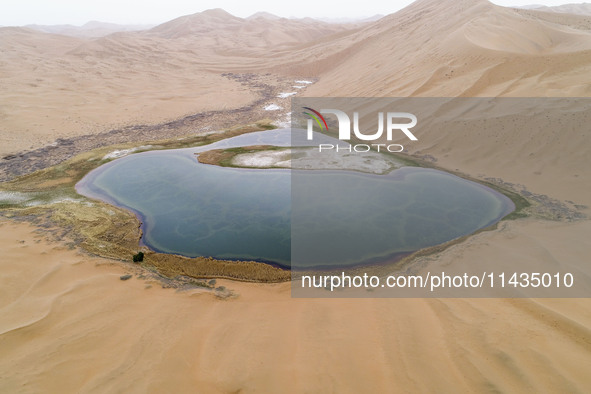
44	215
219	156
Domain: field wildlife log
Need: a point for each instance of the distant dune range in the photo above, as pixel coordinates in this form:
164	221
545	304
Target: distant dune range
89	30
577	8
67	325
58	86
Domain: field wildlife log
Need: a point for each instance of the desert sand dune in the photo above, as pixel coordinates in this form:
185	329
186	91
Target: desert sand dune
444	48
58	86
68	325
573	9
230	32
55	87
90	29
431	48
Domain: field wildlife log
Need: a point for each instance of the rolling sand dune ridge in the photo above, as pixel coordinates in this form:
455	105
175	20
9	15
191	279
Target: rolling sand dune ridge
68	323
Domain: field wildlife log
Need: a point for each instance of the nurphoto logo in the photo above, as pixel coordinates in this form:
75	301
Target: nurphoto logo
393	123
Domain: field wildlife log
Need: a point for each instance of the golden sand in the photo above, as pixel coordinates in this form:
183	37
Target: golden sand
69	324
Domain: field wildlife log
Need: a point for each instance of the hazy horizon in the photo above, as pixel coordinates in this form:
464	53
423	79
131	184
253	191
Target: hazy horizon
135	12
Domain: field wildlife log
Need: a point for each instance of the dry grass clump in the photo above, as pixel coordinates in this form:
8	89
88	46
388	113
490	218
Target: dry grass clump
48	198
206	267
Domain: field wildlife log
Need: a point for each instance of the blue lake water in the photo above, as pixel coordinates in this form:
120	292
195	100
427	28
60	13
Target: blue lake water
308	218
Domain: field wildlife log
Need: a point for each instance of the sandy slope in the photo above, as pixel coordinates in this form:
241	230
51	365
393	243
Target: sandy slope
463	48
54	86
67	325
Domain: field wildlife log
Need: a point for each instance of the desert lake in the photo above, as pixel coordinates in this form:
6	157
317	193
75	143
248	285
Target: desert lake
303	218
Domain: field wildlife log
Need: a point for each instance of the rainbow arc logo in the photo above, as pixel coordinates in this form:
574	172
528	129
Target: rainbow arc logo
317	117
